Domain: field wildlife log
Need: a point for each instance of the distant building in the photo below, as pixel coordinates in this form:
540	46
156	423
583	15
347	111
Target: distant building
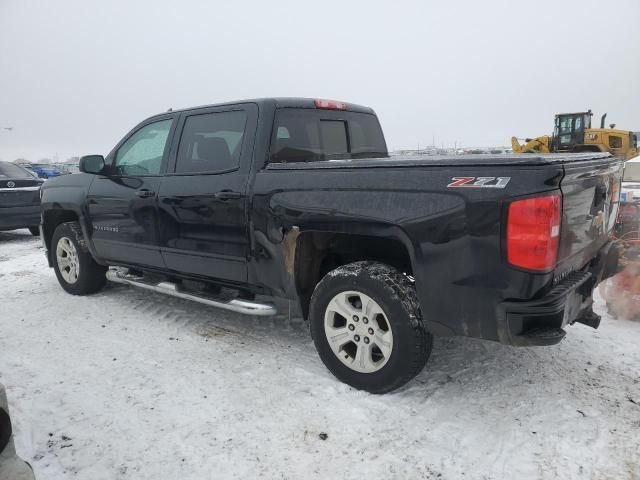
454	151
424	151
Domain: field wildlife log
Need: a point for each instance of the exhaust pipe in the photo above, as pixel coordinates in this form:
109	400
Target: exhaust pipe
602	120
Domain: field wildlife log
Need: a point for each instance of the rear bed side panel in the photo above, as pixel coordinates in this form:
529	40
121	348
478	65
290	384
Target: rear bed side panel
452	234
590	205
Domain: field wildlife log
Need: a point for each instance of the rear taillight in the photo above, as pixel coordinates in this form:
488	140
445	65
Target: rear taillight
533	232
330	104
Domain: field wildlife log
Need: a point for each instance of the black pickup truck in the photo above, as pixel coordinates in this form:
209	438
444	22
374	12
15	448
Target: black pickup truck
298	198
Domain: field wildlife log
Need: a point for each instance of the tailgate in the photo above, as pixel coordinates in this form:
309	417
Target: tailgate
590	199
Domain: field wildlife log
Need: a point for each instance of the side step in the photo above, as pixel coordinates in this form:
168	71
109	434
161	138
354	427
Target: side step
248	307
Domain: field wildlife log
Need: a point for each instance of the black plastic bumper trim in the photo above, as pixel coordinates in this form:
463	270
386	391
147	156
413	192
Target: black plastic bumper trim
546	316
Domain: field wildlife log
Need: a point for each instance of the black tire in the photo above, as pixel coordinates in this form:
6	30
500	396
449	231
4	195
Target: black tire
35	231
91	277
396	295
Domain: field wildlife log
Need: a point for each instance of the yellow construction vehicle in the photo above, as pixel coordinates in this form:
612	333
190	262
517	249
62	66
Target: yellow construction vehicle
573	133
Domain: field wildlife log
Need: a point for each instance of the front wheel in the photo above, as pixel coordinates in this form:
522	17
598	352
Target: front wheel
367	326
77	271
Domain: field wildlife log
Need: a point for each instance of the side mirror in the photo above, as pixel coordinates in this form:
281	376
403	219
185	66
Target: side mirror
92	164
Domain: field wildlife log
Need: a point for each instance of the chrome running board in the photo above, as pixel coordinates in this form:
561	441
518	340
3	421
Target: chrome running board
248	307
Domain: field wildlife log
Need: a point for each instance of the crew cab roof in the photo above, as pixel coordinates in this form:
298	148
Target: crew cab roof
274	102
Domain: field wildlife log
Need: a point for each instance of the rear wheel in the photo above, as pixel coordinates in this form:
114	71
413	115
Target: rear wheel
35	231
77	271
367	326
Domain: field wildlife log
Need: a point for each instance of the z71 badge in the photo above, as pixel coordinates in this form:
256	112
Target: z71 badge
479	182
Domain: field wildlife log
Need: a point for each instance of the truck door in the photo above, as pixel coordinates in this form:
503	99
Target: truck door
123	203
203	198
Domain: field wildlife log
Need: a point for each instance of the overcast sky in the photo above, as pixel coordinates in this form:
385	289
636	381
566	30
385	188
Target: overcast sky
76	75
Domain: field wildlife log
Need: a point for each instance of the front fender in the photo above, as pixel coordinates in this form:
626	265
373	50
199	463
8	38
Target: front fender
64	199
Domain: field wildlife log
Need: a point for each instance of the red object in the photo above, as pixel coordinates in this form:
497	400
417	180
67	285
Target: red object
330	104
533	232
623	294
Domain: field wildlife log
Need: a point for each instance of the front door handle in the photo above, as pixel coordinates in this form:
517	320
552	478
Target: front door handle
227	195
144	193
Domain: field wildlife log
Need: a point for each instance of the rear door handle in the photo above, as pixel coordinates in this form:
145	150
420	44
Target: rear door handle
227	195
144	193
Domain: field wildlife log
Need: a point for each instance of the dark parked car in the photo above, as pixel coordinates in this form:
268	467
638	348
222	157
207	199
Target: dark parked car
11	466
297	198
19	198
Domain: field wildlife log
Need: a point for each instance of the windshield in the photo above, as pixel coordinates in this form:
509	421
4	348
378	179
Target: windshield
10	170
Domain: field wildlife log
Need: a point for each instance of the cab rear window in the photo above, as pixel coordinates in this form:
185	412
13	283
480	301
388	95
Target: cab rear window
308	135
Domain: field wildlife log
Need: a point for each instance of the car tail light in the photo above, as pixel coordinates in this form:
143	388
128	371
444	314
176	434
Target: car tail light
330	104
533	232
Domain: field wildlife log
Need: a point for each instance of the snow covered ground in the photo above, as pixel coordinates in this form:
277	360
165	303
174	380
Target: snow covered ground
127	384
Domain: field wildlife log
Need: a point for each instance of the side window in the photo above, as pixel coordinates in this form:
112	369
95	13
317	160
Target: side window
565	125
142	153
578	123
565	139
211	142
615	142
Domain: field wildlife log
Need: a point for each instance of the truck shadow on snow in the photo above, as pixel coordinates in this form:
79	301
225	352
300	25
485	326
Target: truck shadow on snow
456	363
12	238
16	236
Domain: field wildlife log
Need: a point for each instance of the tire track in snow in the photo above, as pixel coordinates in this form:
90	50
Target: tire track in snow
209	322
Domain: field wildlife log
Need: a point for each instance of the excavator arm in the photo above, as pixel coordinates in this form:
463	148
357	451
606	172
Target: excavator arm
533	145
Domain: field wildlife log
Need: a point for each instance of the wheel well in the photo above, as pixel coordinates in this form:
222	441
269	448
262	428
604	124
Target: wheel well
318	253
51	220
